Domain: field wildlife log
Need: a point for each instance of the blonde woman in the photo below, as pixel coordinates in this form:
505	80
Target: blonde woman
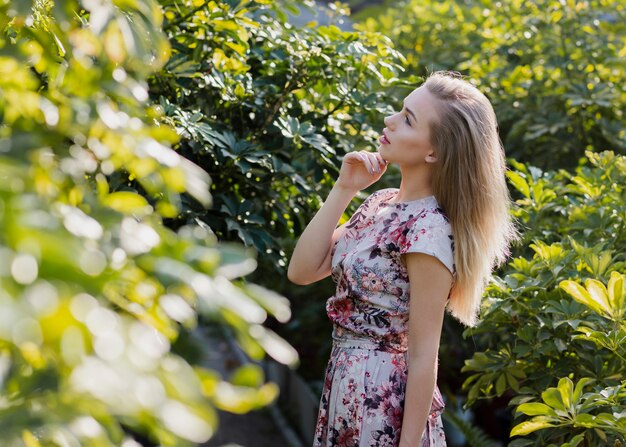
405	256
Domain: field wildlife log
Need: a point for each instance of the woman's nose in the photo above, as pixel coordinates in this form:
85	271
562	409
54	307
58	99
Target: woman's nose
387	121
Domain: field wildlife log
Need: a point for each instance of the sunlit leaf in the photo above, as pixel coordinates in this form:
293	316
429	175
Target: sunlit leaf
535	409
536	423
519	182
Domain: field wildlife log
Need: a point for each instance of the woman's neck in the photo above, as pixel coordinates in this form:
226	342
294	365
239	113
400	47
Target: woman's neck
416	183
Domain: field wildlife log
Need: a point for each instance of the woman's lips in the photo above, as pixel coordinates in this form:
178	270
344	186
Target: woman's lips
384	139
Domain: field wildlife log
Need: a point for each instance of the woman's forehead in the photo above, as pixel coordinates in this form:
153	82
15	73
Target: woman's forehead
422	103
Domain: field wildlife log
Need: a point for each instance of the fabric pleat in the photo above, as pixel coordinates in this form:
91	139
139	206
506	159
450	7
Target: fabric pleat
363	400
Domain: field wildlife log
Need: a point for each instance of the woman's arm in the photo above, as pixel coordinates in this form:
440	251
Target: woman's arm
310	260
430	283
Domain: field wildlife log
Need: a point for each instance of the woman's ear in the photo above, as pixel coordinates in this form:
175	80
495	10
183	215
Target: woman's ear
431	157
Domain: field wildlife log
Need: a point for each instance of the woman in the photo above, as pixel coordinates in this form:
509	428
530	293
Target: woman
405	256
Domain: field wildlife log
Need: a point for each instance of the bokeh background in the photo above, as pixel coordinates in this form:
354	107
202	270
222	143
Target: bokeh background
158	160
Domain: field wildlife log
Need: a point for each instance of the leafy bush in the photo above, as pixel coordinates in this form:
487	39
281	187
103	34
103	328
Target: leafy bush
267	110
553	69
95	292
540	324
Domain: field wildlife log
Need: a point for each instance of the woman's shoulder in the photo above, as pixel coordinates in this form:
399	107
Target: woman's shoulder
383	194
425	206
378	197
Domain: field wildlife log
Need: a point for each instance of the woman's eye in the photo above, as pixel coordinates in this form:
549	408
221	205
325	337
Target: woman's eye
406	118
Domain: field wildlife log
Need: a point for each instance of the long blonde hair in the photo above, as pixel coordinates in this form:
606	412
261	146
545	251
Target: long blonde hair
469	183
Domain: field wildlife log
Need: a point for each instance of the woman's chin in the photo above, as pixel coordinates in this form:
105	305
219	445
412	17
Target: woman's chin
383	152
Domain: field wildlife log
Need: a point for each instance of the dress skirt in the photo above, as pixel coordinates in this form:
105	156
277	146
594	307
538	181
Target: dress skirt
362	402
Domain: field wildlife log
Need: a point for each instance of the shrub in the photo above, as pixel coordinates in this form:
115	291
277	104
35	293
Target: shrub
554	317
268	110
95	292
553	69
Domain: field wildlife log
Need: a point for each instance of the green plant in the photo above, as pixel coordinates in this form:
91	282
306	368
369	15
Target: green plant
267	110
552	69
566	411
474	436
95	292
565	408
539	324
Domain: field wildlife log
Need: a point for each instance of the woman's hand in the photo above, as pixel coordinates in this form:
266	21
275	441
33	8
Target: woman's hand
360	169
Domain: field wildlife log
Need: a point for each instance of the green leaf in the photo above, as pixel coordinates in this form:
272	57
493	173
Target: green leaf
597	292
584	420
578	390
512	381
274	345
535	409
248	375
536	423
617	293
552	397
274	303
126	202
565	388
519	183
580	294
575	441
501	385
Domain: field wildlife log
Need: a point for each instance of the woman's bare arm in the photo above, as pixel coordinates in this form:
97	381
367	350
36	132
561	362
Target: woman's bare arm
430	283
311	261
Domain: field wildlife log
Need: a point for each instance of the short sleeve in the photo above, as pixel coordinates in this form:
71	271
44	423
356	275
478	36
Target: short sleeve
432	238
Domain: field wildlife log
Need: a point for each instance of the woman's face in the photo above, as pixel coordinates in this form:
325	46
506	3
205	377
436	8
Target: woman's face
406	137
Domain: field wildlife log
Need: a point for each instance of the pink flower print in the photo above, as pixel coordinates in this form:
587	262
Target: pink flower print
393	411
341	310
351	387
398	236
346	436
399	362
372	282
385	391
384	439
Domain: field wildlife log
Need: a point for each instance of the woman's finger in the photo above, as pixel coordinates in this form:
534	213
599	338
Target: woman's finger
366	163
381	160
373	162
372	167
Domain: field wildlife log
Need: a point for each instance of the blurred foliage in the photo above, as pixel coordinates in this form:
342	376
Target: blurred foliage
556	312
474	436
553	69
95	292
268	110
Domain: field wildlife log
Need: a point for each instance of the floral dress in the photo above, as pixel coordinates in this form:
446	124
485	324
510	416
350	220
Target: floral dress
362	401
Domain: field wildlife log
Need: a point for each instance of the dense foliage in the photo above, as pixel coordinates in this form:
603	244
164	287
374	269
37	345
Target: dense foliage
554	69
96	294
268	110
553	327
